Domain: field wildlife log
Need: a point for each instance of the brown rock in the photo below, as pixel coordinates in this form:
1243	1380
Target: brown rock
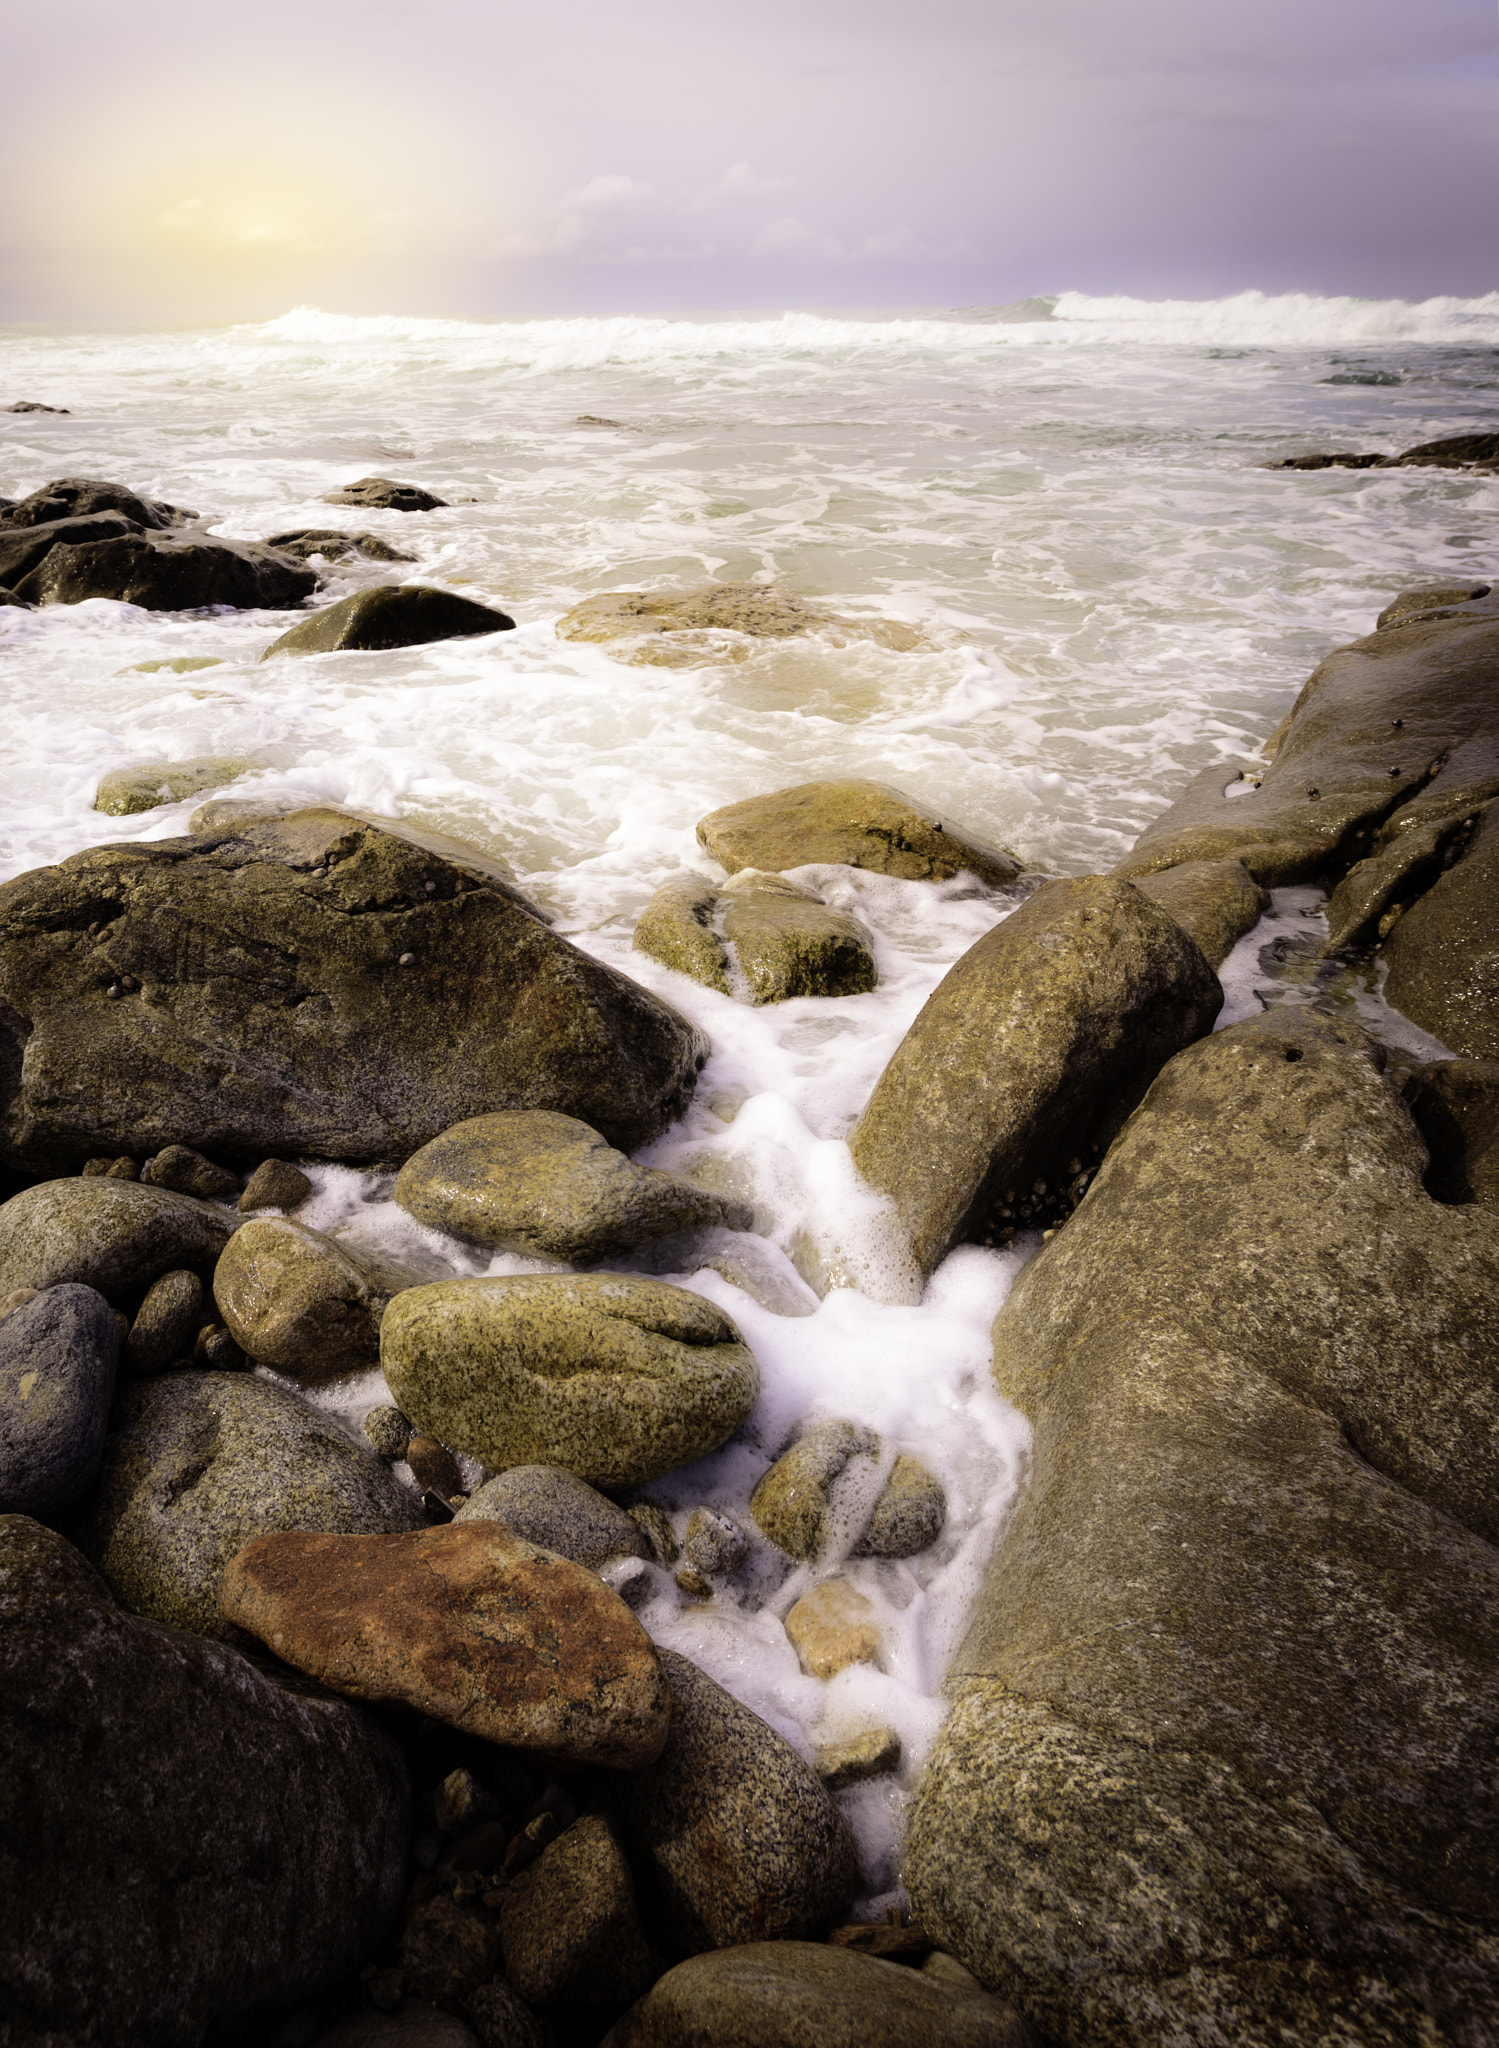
449	1950
387	495
167	1323
274	1185
1214	901
875	1754
832	1627
468	1624
569	1924
1443	953
856	824
299	1301
1456	1107
187	1172
434	1466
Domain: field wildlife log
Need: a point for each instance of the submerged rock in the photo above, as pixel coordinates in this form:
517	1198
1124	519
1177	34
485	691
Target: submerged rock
805	1503
107	1232
191	1847
58	1354
560	1512
35	405
126	792
876	1754
76	497
386	495
334	545
300	1302
393	615
674	628
855	824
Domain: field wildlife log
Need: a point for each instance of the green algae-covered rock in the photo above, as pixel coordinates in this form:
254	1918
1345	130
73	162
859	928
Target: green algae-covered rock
115	1235
1214	901
617	1380
789	943
394	615
124	792
857	824
676	928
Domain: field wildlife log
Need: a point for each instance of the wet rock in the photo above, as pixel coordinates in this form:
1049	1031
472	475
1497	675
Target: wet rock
655	1526
414	2026
832	1627
464	1805
197	1464
334	545
569	1925
714	1546
434	1467
466	1623
537	1182
1343	459
788	943
796	1994
126	792
1482	447
123	1168
449	1949
260	1003
73	497
58	1354
111	1234
617	1380
35	405
1443	953
166	1324
793	1503
274	1185
381	492
1428	597
25	548
504	2021
216	1349
1263	1481
1041	1039
167	572
177	665
744	1843
558	1511
1456	1107
1214	901
857	824
673	629
393	615
676	928
300	1302
187	1172
875	1754
388	1433
908	1516
189	1843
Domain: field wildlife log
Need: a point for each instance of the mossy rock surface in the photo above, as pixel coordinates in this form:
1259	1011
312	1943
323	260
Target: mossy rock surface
125	792
856	824
115	1235
679	629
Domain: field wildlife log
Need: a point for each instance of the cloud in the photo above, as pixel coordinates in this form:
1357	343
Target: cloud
792	237
611	193
740	182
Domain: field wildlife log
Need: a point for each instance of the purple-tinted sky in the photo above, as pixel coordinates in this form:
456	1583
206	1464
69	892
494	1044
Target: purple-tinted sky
174	161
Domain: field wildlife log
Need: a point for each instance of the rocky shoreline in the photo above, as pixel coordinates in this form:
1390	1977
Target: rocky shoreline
317	1735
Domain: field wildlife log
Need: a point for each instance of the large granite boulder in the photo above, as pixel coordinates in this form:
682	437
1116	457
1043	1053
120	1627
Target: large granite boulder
187	1847
198	1464
615	1379
856	824
115	1235
393	615
1033	1048
307	985
58	1355
1218	1765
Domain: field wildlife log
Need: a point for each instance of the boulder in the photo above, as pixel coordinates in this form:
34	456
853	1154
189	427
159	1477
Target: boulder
558	1511
538	1182
34	405
1456	1107
300	1302
24	548
1443	953
275	1184
1216	1763
788	943
392	615
569	1925
823	1490
617	1380
167	572
801	1994
1481	447
450	1948
166	1324
504	2021
744	1843
908	1516
199	1463
106	1232
855	824
832	1627
308	984
381	493
126	792
1035	1045
414	2026
58	1353
74	497
676	629
190	1846
187	1172
1214	901
334	545
466	1623
1428	597
676	928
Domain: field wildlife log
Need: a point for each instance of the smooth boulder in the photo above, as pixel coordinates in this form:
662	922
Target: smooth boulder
538	1182
108	1233
394	615
824	1490
468	1624
197	1464
857	824
789	943
190	1847
615	1379
306	984
1214	901
299	1301
557	1510
166	1324
570	1927
58	1356
1036	1045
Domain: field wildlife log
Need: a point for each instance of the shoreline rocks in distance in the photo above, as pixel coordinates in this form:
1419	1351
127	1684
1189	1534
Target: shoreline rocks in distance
384	494
1453	451
334	545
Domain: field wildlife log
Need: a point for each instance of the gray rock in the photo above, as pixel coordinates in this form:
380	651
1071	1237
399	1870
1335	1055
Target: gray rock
58	1353
111	1234
190	1846
126	792
382	492
558	1511
300	1302
534	1181
714	1545
25	548
617	1380
166	1324
197	1464
1035	1045
744	1843
908	1516
334	545
1214	901
392	615
1216	1763
188	1173
388	1433
857	824
569	1924
274	1185
788	943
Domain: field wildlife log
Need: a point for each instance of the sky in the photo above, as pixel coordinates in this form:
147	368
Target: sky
178	163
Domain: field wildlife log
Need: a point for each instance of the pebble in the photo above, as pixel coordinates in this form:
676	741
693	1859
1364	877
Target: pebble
832	1627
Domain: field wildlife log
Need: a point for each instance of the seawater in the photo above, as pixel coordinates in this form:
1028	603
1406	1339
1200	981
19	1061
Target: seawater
1065	501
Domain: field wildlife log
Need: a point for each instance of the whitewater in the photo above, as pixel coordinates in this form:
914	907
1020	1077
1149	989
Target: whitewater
1066	500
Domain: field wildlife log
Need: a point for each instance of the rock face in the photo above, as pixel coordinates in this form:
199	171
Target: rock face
198	1464
1456	1107
381	492
800	1994
188	1843
744	1842
569	1925
126	792
305	984
112	1234
556	1510
671	629
617	1380
534	1181
855	824
1428	597
1443	953
396	615
1215	1764
334	545
467	1623
58	1354
1041	1039
1214	901
299	1302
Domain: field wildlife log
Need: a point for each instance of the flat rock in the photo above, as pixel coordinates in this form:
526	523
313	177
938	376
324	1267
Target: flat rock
58	1354
309	984
108	1233
334	545
466	1623
191	1847
1214	901
197	1464
615	1379
1456	1107
560	1512
672	629
394	615
300	1302
126	792
385	494
538	1182
167	1323
1037	1043
832	1627
569	1924
1239	1635
857	824
742	1839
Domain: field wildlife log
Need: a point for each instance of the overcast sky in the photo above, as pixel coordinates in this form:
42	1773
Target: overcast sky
184	160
